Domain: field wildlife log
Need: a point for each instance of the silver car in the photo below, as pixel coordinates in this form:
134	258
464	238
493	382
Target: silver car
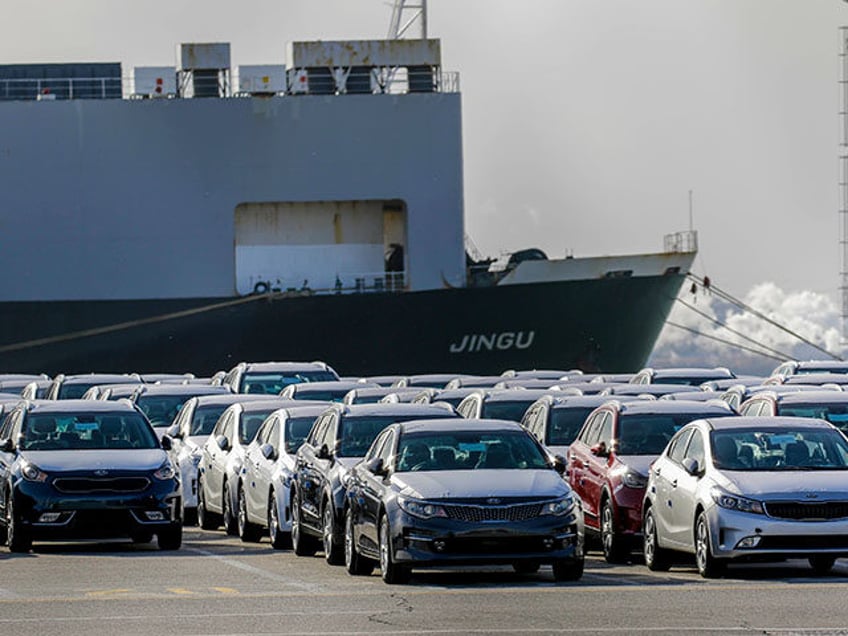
749	488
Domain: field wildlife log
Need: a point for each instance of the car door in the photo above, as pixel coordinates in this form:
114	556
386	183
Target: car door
253	460
217	461
309	473
597	465
579	458
374	490
667	471
682	494
265	467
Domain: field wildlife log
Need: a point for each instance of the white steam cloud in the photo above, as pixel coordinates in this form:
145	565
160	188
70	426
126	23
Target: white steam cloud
813	316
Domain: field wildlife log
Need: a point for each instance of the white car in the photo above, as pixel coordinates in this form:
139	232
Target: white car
749	488
269	468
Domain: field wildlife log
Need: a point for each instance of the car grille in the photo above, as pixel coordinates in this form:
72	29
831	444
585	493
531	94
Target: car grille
807	511
106	484
476	514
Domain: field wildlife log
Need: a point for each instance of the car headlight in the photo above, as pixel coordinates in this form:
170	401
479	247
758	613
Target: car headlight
165	471
630	477
558	507
31	472
421	509
734	502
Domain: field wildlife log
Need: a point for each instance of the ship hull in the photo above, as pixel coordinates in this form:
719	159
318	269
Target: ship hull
597	325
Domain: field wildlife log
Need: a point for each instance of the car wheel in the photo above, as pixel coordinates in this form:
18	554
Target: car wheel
355	563
279	539
656	558
205	519
708	566
301	544
333	552
614	544
568	569
247	531
17	538
391	572
821	564
230	521
526	567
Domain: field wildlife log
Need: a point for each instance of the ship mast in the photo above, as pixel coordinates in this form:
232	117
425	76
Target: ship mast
406	15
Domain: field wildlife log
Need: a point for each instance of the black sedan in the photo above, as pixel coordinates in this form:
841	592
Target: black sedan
446	492
83	469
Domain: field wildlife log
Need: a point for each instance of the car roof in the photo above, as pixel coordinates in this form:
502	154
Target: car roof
398	409
79	406
591	401
190	390
741	422
311	410
512	395
277	403
334	385
459	424
218	399
286	366
813	397
640	407
103	378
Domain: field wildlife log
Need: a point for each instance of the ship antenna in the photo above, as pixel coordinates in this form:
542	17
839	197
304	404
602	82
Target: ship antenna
414	12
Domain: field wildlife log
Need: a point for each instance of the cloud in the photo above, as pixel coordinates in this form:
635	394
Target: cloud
811	315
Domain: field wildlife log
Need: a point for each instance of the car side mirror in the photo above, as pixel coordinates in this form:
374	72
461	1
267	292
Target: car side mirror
375	465
8	445
174	432
560	464
690	465
166	442
600	450
223	442
268	452
323	452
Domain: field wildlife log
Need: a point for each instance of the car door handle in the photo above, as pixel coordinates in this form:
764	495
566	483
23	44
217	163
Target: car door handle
674	483
657	472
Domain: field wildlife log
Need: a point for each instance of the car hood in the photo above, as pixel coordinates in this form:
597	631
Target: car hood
640	463
455	484
786	484
124	459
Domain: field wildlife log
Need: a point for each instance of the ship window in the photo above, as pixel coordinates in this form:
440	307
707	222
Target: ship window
619	273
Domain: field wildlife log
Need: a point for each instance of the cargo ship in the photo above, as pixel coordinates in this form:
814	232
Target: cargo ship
190	217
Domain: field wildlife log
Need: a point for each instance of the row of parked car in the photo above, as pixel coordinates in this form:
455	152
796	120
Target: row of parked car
440	468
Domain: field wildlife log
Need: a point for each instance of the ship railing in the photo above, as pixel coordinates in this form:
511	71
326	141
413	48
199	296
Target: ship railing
387	81
345	283
681	242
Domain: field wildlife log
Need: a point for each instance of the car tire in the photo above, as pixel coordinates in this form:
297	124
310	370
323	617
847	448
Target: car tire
567	569
526	567
391	572
302	544
229	519
821	564
248	532
333	552
205	519
656	558
171	538
355	563
614	545
708	566
279	539
17	537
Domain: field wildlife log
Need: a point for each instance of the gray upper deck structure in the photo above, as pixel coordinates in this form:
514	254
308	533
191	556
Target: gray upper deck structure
124	199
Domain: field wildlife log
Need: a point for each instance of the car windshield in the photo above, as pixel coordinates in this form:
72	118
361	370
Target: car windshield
204	418
273	383
297	428
648	434
506	410
60	431
250	423
836	414
565	424
779	449
468	450
161	409
326	395
74	391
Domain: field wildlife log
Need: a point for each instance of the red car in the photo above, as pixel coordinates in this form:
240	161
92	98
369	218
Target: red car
609	461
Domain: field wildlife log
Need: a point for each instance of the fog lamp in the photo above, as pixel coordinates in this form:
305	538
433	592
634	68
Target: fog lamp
49	517
748	542
439	545
154	515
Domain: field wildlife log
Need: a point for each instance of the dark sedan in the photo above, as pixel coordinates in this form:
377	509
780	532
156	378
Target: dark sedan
470	491
74	469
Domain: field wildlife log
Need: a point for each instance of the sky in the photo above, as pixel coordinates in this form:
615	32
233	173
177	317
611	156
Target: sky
586	123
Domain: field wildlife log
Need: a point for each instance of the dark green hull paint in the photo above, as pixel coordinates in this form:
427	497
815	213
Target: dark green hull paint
605	324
